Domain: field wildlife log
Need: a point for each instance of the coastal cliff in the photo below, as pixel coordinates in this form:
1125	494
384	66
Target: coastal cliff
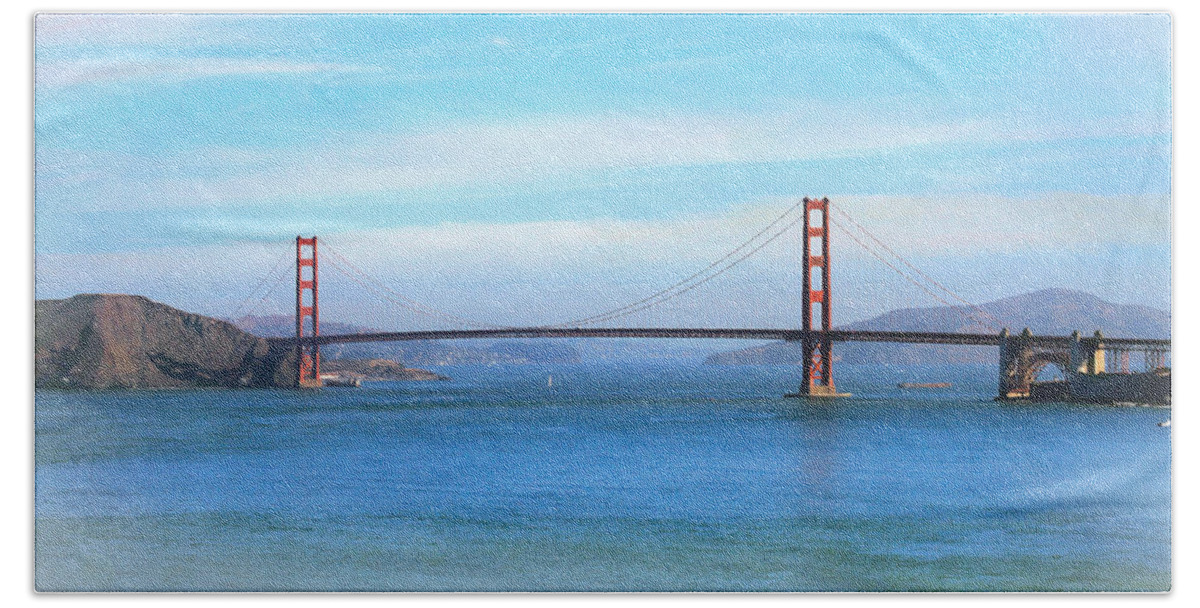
103	341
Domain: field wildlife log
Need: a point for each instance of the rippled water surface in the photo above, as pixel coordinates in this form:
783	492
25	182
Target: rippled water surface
634	477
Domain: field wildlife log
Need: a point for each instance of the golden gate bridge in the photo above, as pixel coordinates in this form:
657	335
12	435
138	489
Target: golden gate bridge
1022	356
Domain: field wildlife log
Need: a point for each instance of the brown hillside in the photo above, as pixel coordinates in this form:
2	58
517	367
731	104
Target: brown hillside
124	341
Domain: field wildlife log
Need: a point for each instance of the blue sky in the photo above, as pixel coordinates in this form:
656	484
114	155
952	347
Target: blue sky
531	168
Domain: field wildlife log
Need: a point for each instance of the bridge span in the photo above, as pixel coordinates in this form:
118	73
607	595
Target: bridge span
789	335
1021	356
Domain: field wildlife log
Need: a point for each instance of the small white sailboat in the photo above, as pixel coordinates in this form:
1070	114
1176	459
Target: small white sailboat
550	381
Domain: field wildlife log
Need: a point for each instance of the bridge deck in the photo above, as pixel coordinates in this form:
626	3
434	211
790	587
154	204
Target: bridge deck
909	337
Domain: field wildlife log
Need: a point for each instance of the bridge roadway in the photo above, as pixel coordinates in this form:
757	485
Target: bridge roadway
791	335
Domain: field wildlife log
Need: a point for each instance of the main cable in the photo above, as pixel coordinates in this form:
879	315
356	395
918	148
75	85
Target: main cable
381	290
253	292
914	268
636	306
935	296
254	307
701	282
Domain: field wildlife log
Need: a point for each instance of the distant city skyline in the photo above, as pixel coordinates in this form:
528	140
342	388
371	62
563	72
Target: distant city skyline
526	169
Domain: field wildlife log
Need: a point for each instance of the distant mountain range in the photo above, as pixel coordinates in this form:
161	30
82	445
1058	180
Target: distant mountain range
423	353
124	341
1045	312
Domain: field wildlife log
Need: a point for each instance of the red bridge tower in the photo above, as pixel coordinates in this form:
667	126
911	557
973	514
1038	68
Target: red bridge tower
308	356
818	348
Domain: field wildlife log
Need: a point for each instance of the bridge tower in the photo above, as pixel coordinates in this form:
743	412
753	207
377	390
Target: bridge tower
308	356
817	288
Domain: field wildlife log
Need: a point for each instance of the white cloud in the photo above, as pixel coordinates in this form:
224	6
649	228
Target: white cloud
523	151
967	224
67	73
515	152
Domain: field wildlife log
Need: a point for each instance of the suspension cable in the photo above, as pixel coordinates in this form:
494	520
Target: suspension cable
689	283
271	273
915	269
637	305
379	289
935	296
698	283
254	307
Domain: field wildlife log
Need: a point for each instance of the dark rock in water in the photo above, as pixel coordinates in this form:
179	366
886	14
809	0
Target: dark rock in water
378	369
123	341
924	385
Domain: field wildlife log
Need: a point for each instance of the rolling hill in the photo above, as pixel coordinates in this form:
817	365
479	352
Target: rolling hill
1045	312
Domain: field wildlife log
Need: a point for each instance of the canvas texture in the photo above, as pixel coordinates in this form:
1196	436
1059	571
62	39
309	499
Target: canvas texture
603	302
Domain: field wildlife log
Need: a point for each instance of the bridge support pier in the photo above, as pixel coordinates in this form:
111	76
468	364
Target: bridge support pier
1020	361
1153	360
817	348
1087	354
1016	357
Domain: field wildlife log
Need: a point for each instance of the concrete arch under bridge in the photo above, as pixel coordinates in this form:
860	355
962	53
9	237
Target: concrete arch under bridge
1057	360
1022	359
1085	368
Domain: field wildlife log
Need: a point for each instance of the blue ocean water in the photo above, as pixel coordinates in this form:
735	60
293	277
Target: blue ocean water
655	477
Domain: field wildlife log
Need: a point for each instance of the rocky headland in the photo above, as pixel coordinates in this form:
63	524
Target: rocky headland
118	341
103	341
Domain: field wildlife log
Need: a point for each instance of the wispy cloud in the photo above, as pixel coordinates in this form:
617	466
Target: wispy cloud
514	152
78	49
68	73
977	223
518	152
